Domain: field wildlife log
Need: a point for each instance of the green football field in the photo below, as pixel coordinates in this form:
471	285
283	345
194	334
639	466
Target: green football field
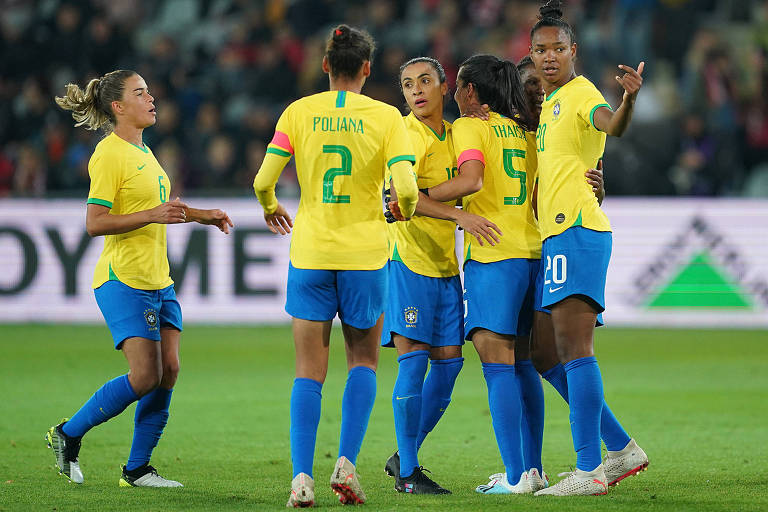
696	401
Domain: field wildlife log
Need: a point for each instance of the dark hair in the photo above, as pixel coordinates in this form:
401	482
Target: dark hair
429	60
92	107
551	15
525	62
347	49
498	84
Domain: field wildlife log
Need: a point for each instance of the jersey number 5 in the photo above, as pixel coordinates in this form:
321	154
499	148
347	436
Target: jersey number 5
330	174
509	154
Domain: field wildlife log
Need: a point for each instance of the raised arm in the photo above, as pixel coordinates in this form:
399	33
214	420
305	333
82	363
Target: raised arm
468	181
616	123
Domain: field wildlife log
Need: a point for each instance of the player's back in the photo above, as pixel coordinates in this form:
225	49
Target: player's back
505	148
342	143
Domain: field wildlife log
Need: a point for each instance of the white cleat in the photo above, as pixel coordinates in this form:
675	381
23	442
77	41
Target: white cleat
66	450
629	461
538	482
498	484
302	492
578	483
150	478
345	483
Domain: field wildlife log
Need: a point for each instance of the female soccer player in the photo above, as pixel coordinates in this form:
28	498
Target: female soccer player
575	119
424	313
128	204
494	180
343	142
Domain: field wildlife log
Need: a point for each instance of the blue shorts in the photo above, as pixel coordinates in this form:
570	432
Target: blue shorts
576	263
426	309
498	296
356	295
130	312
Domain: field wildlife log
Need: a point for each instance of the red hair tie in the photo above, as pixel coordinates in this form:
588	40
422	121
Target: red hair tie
338	32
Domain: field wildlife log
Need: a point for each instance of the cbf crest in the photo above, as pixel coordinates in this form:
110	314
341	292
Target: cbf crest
556	111
411	316
150	316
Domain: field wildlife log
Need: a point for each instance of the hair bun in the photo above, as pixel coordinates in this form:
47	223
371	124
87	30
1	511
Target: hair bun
341	34
552	9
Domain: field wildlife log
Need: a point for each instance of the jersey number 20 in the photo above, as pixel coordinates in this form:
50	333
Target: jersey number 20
330	174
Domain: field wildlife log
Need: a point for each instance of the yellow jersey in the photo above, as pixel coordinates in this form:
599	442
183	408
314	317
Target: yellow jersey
568	144
127	179
504	147
425	245
342	142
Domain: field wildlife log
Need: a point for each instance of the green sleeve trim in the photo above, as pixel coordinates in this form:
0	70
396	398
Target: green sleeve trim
276	151
102	202
592	113
552	94
409	158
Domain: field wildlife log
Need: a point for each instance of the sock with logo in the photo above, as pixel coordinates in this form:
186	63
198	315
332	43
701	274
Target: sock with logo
407	405
305	416
436	393
356	407
585	393
506	415
107	402
149	421
613	434
532	397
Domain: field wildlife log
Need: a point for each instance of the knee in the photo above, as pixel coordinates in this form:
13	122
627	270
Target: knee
144	381
170	374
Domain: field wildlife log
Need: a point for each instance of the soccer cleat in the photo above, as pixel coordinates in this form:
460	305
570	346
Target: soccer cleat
145	476
499	484
345	484
302	491
538	482
419	483
66	450
578	483
392	467
629	461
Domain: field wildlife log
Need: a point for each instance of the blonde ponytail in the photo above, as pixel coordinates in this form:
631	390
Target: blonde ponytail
92	107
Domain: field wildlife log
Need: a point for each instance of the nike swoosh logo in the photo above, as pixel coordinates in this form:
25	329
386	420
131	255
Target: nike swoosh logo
402	397
553	290
140	167
429	155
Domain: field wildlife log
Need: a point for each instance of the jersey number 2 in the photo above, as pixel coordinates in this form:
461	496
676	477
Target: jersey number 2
330	174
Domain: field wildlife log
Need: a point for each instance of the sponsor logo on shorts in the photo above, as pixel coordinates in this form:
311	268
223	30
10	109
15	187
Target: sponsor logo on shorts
151	318
411	316
560	218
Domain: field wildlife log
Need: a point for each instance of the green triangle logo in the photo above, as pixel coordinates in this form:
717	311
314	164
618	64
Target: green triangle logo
700	285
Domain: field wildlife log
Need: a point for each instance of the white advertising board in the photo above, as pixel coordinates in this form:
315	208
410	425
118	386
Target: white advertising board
675	262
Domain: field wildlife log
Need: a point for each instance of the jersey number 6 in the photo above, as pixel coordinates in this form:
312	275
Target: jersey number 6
330	174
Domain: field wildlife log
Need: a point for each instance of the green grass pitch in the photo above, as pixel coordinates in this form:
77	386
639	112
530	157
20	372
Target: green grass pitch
696	401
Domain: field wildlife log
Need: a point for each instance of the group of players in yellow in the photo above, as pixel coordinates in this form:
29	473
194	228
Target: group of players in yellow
522	162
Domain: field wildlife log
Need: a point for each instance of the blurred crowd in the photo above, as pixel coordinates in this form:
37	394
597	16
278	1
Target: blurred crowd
221	71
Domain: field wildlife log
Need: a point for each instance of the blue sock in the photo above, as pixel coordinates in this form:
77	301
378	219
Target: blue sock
149	422
585	391
613	434
506	414
356	407
406	404
532	396
556	377
305	416
436	394
107	402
